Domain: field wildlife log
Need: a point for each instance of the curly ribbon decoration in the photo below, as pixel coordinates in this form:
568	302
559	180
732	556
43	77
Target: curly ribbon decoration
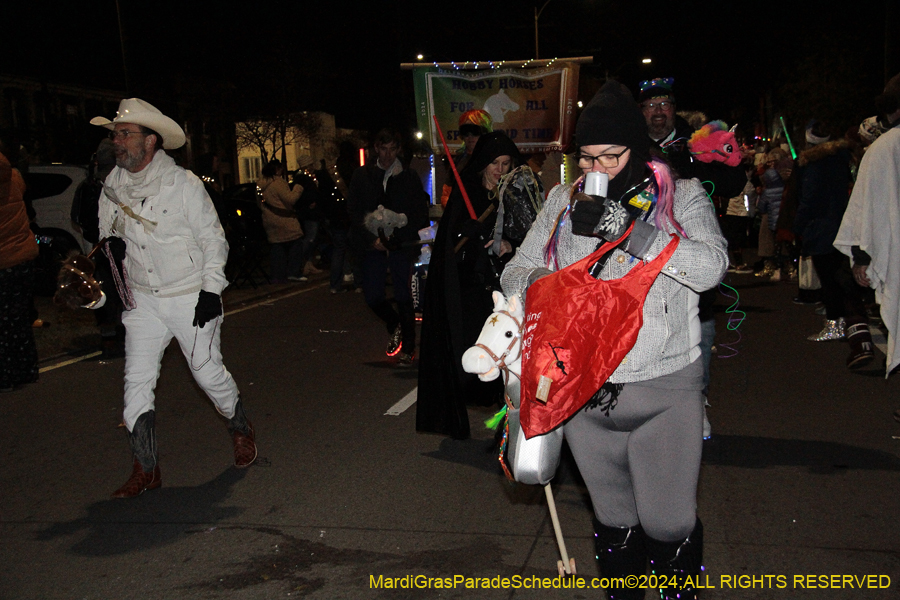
735	318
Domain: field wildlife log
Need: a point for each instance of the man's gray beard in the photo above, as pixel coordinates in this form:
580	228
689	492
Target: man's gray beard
129	161
658	133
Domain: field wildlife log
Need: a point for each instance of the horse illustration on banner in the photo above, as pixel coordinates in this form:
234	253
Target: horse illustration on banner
498	105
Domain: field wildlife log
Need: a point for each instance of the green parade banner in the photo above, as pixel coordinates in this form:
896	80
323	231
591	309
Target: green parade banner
535	107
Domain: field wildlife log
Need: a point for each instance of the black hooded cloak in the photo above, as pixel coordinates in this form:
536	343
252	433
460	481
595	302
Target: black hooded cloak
458	301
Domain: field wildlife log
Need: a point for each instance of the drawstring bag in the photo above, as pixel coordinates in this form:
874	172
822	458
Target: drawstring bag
809	279
577	331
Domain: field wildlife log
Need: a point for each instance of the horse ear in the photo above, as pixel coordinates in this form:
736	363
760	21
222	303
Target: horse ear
515	306
499	301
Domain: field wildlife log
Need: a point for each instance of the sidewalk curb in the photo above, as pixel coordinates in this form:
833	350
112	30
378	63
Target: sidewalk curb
229	306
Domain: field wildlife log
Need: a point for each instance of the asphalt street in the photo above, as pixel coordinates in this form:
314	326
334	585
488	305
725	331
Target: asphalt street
799	486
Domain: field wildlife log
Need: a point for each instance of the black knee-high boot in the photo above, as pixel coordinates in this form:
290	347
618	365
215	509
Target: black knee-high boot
679	561
862	349
620	553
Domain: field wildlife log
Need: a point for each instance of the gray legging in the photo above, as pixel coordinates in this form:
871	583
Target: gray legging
641	463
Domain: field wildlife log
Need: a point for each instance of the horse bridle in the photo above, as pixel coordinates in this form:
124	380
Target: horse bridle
500	361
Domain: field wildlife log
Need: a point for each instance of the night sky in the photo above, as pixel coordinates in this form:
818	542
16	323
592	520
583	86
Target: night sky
343	57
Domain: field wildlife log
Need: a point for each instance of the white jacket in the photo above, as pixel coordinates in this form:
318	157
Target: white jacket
178	247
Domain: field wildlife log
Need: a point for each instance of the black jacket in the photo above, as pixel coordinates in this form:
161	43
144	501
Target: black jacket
823	190
718	179
404	195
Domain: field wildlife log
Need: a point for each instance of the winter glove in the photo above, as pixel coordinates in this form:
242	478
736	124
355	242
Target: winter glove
209	306
389	243
473	229
600	217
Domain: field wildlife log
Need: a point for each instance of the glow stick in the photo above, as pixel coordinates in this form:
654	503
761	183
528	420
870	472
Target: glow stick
788	136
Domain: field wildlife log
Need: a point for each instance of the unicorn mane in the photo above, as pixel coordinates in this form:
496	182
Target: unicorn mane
707	130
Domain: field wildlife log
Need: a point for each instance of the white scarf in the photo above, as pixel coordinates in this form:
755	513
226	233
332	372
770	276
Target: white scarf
140	186
395	169
147	182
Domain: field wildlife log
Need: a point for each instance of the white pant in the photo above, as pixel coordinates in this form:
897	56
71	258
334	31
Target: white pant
149	329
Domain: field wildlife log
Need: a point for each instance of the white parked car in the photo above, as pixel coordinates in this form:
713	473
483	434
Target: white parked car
51	191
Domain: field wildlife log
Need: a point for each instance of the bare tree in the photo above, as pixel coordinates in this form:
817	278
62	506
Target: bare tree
265	134
275	134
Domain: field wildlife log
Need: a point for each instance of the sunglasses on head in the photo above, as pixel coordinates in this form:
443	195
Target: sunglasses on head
663	82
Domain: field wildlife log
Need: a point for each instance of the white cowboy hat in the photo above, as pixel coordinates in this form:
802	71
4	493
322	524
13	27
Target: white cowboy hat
139	112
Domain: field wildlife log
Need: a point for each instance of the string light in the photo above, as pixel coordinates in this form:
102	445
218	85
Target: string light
480	65
735	318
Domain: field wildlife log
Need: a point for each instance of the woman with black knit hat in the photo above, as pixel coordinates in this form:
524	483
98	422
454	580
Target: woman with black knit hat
458	293
637	441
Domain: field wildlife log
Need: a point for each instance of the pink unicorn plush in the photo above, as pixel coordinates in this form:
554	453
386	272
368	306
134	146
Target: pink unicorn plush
715	142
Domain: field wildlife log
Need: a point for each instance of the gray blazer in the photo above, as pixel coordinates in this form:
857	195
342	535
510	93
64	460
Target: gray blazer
668	340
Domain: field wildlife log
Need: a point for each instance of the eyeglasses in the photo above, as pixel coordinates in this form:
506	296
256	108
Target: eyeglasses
123	134
663	105
607	161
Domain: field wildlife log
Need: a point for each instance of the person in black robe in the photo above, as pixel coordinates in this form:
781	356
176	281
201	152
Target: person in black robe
458	294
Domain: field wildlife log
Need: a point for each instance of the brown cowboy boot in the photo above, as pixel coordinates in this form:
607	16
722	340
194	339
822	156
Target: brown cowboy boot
243	437
145	473
139	482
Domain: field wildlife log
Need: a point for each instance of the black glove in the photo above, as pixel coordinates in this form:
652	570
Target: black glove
601	217
117	248
473	229
209	306
389	243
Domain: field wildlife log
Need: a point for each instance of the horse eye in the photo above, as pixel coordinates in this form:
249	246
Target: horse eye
729	148
509	334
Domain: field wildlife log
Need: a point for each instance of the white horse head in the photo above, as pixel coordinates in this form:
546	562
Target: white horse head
497	106
499	346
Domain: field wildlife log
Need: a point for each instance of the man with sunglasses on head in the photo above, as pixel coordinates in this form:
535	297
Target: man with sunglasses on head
671	133
164	234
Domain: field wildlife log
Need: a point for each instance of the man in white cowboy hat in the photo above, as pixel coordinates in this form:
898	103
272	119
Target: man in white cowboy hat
174	259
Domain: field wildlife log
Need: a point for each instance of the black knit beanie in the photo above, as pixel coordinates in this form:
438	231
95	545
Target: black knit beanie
613	117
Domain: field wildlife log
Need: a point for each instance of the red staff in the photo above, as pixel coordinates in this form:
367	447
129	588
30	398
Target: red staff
459	182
